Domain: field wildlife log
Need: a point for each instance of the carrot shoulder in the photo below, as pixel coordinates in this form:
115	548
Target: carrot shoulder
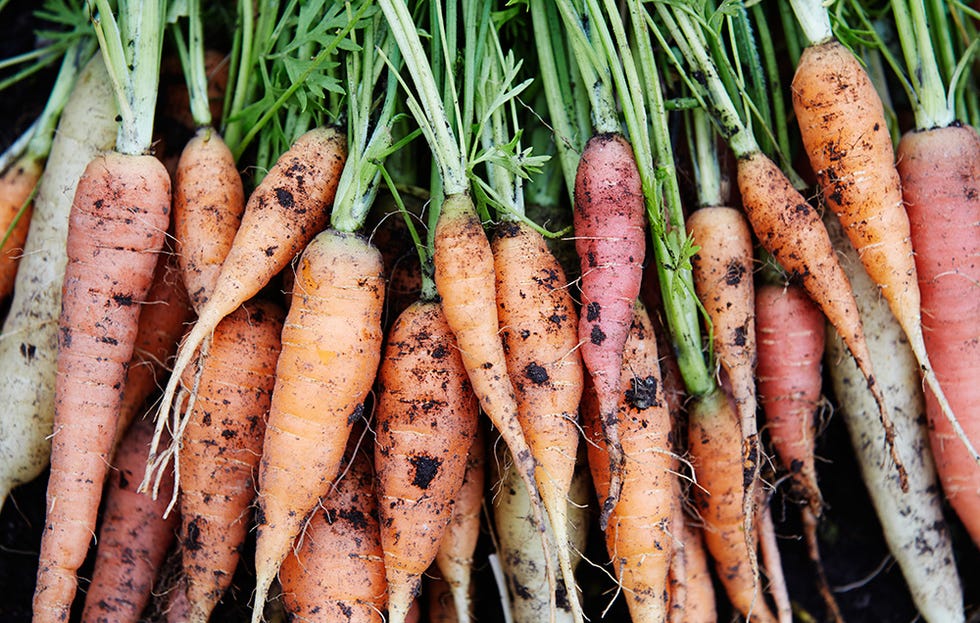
116	230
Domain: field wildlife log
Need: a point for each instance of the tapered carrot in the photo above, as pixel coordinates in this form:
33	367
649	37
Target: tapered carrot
692	597
282	215
842	124
222	443
116	229
331	347
335	571
208	205
539	328
940	172
610	239
134	537
638	537
456	550
722	269
718	493
426	423
791	343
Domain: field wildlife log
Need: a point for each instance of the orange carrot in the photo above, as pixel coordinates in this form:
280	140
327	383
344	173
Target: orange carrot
455	557
208	205
426	423
638	537
539	329
335	572
116	229
692	597
282	215
610	238
842	123
791	231
16	186
219	456
940	172
791	344
134	537
719	490
331	347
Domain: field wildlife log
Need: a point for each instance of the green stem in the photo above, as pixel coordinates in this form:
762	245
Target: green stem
707	172
790	32
814	20
428	109
241	78
929	103
71	65
775	90
595	71
197	78
557	91
134	67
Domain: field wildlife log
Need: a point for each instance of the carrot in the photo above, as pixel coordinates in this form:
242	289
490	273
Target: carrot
17	185
638	537
610	239
29	343
133	540
462	258
791	231
940	171
161	326
519	545
538	326
791	344
722	269
208	205
465	279
718	495
912	521
842	124
116	229
218	460
692	597
335	571
456	549
426	424
331	347
281	216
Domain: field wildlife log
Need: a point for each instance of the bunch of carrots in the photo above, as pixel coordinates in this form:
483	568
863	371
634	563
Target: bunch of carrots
266	267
